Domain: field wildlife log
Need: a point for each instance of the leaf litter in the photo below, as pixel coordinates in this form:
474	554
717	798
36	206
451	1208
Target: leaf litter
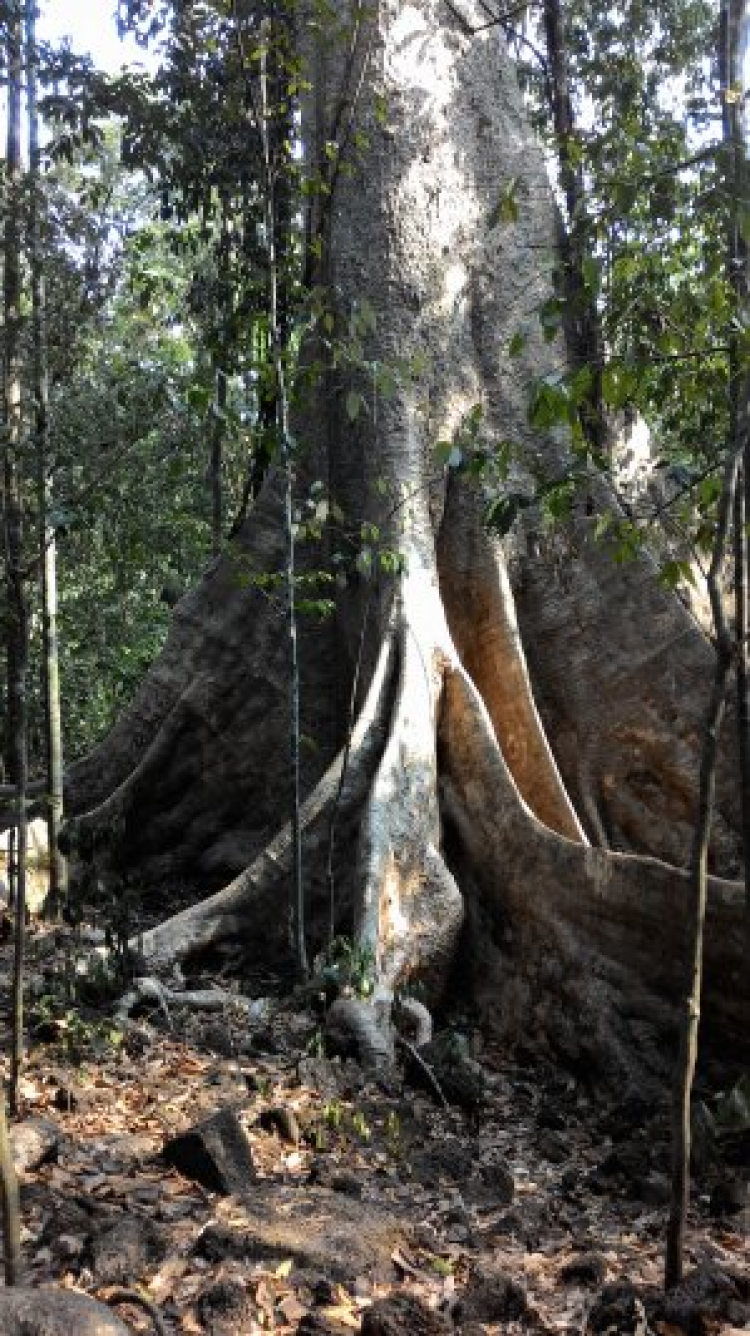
384	1192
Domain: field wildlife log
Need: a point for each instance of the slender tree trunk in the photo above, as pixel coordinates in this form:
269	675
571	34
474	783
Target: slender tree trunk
734	33
742	630
734	39
17	611
699	886
10	1207
272	166
58	872
217	455
11	864
734	19
588	344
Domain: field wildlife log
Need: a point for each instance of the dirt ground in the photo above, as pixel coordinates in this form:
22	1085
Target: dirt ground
514	1214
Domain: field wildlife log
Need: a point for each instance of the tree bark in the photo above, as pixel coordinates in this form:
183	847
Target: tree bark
734	34
13	526
10	1205
581	309
472	812
58	873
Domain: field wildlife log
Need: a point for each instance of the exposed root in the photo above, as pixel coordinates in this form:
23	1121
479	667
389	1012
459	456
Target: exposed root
227	914
589	942
482	617
116	807
144	990
117	1295
197	999
362	1030
425	1069
415	1013
596	939
625	712
411	910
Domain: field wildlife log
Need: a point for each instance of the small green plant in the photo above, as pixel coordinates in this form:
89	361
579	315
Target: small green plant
360	1125
443	1265
349	966
333	1114
315	1046
54	1021
393	1130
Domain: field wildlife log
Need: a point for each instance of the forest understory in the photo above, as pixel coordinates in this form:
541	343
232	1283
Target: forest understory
356	1202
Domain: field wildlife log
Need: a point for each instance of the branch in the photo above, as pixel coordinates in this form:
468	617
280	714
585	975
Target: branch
119	1295
493	21
424	1067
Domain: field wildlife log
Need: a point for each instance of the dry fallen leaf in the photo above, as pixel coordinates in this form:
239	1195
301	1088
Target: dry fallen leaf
291	1308
345	1316
162	1285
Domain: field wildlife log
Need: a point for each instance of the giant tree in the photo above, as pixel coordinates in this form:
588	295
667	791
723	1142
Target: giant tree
478	784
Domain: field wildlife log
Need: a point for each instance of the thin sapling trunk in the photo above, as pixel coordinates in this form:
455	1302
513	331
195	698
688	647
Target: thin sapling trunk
734	36
217	455
272	165
699	888
588	344
58	873
17	611
9	1203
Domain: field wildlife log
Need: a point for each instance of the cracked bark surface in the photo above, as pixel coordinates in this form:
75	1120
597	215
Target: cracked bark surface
498	741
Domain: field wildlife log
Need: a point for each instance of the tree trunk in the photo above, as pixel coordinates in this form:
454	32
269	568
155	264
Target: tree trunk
733	39
218	430
13	525
584	325
681	1118
10	1204
58	872
466	810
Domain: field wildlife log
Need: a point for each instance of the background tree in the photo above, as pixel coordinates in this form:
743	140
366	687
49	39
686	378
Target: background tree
17	613
50	676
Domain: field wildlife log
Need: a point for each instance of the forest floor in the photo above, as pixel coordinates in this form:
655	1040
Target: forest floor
541	1209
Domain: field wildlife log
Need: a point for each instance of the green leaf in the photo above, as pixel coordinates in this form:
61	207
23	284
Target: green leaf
517	344
591	273
506	209
673	573
501	514
549	406
550	317
354	405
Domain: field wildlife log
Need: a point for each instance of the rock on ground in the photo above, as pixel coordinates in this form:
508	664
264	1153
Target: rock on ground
215	1153
51	1312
